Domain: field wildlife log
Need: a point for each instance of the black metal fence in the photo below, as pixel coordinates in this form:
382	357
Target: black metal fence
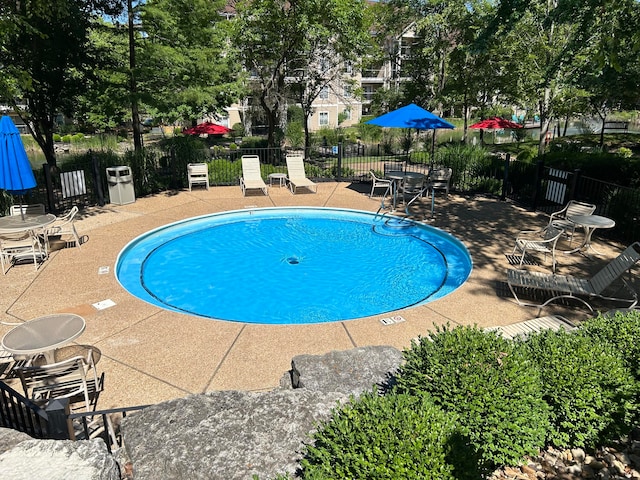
533	185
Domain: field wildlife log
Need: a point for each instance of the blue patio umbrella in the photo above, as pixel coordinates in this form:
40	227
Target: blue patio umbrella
411	116
16	175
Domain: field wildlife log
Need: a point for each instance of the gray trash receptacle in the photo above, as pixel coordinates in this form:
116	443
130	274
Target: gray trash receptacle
120	183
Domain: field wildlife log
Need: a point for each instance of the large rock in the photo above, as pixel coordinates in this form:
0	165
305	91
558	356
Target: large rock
9	438
224	435
59	460
350	371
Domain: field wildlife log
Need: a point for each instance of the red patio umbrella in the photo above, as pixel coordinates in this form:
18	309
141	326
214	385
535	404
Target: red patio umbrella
208	128
495	123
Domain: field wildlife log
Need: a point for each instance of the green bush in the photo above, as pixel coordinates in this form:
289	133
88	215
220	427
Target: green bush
490	384
57	137
621	332
66	139
395	436
586	385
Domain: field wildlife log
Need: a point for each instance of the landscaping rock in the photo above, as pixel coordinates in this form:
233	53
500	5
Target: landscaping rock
59	460
9	438
225	435
350	371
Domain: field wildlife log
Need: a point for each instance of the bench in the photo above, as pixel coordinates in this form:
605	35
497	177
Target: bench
624	126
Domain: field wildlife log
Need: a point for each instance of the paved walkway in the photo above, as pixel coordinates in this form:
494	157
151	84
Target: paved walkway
150	355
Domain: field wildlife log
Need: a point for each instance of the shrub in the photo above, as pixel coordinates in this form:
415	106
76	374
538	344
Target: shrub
493	387
621	332
57	137
586	386
395	436
66	139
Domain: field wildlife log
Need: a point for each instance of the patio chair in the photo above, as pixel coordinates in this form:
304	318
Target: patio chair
561	218
377	182
75	378
540	241
251	177
566	286
393	167
198	174
33	209
416	187
439	179
19	247
296	174
63	226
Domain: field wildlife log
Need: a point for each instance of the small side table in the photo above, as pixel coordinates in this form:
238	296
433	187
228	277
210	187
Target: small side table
281	177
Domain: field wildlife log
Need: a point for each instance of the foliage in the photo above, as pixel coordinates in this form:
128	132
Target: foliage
295	134
238	129
620	331
187	67
45	58
395	436
586	385
473	373
475	163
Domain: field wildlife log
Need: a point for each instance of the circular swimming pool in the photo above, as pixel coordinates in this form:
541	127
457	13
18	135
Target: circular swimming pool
292	265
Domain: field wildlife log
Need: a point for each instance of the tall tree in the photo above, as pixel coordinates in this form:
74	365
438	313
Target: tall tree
45	56
186	67
297	48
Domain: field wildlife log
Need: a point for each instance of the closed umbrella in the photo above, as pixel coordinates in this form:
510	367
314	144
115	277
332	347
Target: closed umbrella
16	175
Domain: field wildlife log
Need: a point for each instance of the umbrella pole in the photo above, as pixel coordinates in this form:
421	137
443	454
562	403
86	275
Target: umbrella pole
21	209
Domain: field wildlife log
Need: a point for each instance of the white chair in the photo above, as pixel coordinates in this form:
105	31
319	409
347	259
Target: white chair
33	209
566	286
439	179
75	378
198	174
63	226
251	177
18	247
377	182
296	174
560	219
540	241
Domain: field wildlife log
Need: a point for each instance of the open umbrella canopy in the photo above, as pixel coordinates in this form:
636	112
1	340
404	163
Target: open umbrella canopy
495	123
16	175
411	116
208	128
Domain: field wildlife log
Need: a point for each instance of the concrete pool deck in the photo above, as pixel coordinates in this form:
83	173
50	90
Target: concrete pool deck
150	355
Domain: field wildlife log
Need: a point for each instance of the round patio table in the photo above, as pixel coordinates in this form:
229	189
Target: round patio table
399	176
43	335
16	224
590	223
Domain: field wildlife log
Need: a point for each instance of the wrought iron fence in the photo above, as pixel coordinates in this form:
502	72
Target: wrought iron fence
84	182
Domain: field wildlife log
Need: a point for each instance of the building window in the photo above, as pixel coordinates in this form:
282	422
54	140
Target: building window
347	113
346	91
324	93
368	93
323	119
348	68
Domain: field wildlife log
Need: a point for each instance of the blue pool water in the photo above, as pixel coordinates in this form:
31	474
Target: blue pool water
292	265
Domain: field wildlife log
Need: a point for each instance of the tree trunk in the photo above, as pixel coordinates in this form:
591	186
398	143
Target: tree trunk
133	88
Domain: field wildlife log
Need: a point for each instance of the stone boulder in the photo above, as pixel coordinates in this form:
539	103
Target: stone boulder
59	460
349	371
225	435
9	438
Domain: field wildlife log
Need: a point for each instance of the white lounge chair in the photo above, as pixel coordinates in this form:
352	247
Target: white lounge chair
198	174
522	330
33	209
566	286
296	175
251	177
18	247
561	218
540	241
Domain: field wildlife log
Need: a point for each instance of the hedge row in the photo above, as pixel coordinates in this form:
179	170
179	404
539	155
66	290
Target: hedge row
468	401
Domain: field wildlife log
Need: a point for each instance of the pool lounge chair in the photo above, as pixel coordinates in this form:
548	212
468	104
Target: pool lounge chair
582	290
251	177
296	176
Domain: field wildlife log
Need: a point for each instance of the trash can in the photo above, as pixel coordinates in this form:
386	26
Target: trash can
120	182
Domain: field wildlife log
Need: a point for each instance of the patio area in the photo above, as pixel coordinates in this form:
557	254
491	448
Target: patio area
150	355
